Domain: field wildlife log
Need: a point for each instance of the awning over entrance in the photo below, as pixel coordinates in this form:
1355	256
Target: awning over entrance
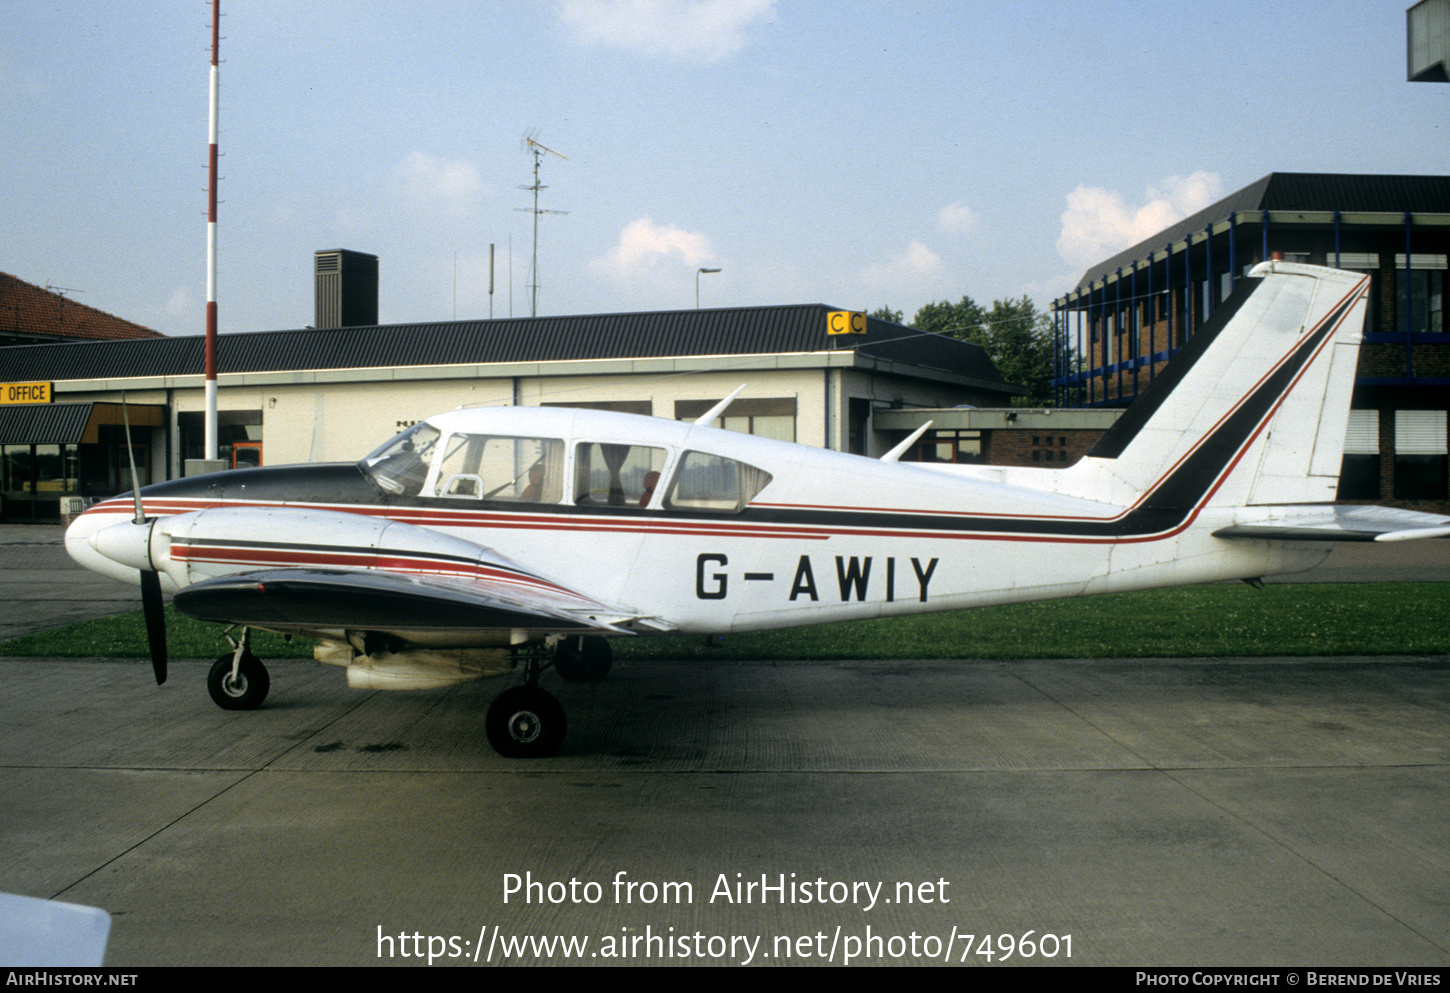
71	423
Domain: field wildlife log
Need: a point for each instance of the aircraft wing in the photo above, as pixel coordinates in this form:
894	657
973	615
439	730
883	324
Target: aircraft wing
300	598
1336	523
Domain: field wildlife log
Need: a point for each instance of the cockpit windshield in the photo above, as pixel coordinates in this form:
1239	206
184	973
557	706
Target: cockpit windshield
401	465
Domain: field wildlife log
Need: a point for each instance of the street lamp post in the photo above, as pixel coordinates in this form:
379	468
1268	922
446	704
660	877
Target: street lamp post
697	285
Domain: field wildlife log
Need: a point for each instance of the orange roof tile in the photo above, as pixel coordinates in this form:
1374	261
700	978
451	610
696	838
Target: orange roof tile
31	311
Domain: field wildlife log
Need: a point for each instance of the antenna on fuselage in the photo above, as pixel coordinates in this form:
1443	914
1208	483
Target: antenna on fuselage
706	418
900	450
131	452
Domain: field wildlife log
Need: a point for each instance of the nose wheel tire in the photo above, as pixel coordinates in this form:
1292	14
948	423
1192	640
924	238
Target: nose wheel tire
525	722
246	691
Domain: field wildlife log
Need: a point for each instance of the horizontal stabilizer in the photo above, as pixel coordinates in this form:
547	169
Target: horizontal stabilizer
1336	523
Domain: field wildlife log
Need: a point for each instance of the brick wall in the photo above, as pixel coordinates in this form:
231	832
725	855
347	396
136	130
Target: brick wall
1035	447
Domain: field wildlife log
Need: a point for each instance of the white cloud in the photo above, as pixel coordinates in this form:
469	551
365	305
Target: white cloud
1099	223
646	248
680	29
453	185
956	218
180	303
903	270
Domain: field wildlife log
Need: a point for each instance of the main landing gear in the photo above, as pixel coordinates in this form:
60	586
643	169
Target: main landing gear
238	680
522	722
583	659
527	721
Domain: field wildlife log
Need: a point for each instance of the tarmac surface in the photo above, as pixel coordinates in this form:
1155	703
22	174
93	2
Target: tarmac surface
1109	812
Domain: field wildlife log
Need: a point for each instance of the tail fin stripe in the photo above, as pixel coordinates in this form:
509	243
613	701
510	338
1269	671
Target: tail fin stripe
1195	478
1126	427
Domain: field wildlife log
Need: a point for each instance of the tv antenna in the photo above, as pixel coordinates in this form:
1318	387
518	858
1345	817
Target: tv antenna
538	151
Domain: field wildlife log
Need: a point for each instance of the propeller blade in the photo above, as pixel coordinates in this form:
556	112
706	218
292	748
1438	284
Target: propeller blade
152	607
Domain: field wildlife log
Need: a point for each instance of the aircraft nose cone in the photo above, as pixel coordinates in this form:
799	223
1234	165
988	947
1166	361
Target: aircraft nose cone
78	537
83	548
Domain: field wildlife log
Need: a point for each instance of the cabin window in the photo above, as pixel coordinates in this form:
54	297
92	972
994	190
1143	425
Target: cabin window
490	467
401	465
607	475
711	482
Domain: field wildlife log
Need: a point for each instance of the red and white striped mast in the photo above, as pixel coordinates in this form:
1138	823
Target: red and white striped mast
211	415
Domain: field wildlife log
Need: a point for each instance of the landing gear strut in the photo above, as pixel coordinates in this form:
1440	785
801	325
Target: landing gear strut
526	722
238	680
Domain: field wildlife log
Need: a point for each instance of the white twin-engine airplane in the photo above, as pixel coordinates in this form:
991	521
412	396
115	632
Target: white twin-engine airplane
487	539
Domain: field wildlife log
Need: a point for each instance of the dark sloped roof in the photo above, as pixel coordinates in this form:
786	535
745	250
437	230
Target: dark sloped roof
29	312
1290	191
738	331
44	423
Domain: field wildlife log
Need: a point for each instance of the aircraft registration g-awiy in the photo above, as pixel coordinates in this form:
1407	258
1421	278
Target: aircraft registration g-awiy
489	540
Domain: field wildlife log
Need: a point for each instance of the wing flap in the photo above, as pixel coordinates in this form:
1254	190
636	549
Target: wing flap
1335	523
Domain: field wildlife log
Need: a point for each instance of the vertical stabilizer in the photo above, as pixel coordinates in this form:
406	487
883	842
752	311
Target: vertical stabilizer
1253	409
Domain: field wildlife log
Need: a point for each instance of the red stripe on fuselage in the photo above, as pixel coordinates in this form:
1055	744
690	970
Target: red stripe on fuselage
284	556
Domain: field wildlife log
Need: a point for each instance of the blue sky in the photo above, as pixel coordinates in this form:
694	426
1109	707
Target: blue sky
859	154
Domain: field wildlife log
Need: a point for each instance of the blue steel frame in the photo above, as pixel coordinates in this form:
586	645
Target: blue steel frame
1087	380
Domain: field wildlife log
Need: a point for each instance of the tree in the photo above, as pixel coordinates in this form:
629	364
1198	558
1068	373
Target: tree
1016	336
964	320
886	314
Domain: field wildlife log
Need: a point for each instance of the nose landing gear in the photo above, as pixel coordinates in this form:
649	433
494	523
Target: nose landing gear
238	680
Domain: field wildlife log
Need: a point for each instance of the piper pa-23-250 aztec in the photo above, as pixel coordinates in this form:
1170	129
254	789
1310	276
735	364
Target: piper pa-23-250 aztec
489	539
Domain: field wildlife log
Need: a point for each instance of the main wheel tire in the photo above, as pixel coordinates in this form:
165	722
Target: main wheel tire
247	691
525	722
583	659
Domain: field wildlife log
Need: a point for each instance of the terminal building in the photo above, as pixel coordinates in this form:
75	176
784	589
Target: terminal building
1129	314
335	390
333	393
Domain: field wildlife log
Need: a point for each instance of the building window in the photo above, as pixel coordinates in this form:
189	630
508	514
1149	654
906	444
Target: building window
1043	449
766	417
1359	473
644	407
1427	301
19	470
35	477
1420	450
1367	262
947	446
232	426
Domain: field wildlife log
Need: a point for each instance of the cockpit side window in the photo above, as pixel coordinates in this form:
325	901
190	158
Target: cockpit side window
400	465
616	475
714	483
491	467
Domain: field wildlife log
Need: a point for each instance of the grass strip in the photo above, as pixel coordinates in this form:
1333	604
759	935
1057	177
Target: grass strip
1193	621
